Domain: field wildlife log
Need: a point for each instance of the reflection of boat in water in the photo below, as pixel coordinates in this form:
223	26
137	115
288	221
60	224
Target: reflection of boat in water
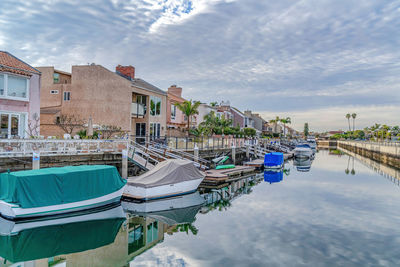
30	240
302	165
169	178
303	151
273	176
175	210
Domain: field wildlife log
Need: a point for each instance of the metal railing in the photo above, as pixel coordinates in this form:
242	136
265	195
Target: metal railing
189	143
22	147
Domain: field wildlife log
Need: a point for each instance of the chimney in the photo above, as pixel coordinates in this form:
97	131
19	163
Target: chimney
175	90
127	71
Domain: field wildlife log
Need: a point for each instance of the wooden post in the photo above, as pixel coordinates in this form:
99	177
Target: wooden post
36	160
247	151
124	171
196	153
234	153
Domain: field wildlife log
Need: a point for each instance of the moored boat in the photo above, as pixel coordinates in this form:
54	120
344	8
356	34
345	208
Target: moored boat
54	191
303	151
273	160
273	176
169	178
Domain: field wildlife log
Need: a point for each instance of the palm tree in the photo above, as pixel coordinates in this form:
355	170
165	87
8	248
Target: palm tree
348	116
188	108
354	115
284	121
275	121
223	123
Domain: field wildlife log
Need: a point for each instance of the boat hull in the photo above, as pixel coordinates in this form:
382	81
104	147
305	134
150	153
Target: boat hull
15	212
162	191
302	153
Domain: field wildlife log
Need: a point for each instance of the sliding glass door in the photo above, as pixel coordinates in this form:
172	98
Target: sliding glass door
12	125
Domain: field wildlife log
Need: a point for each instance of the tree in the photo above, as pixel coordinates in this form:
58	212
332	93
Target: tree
348	116
188	108
223	123
306	129
68	123
284	121
275	121
107	131
33	126
213	104
354	115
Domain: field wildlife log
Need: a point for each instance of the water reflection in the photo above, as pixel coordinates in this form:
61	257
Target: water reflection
302	165
35	240
320	218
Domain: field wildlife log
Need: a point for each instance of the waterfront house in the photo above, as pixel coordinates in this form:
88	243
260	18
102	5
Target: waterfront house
258	120
176	120
19	98
108	98
239	119
203	110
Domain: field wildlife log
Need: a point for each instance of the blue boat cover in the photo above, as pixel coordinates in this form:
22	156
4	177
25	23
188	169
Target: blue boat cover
273	177
273	159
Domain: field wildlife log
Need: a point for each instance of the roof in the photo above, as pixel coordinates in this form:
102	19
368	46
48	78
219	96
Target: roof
142	84
13	64
238	111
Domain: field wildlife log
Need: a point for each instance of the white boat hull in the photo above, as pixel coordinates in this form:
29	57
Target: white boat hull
303	153
177	202
12	211
162	191
275	167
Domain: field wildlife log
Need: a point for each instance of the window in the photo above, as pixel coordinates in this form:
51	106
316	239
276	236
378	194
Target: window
155	106
67	96
54	92
56	77
17	86
155	129
1	84
12	125
173	112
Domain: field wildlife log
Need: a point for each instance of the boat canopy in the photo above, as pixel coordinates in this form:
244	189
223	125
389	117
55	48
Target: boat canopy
54	186
175	216
273	159
171	171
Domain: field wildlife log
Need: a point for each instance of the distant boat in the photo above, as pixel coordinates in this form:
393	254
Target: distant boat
273	160
311	141
52	191
38	239
303	151
169	178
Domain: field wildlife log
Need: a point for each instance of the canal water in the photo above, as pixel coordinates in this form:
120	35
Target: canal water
337	210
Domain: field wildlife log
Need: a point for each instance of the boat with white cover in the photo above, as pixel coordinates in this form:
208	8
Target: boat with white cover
60	190
172	177
303	151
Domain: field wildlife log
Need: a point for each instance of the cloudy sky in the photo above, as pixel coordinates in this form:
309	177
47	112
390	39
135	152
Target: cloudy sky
312	60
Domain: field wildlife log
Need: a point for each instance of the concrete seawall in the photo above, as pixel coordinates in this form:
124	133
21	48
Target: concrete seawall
385	152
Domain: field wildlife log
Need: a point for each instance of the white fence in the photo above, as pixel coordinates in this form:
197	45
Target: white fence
17	147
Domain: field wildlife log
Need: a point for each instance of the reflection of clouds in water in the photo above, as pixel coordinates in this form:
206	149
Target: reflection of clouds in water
323	218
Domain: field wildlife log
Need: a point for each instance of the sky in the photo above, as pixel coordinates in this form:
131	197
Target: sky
311	60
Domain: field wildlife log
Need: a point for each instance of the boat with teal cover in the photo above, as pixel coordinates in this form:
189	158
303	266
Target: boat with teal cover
50	191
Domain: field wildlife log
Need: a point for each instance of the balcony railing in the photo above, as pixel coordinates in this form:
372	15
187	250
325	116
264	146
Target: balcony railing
138	109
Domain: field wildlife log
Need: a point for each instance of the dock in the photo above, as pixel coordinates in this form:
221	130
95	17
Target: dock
217	177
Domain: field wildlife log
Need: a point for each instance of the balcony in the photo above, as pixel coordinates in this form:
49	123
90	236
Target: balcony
138	109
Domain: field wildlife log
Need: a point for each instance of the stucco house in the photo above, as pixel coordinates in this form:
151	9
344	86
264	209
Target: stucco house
108	98
19	98
176	120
